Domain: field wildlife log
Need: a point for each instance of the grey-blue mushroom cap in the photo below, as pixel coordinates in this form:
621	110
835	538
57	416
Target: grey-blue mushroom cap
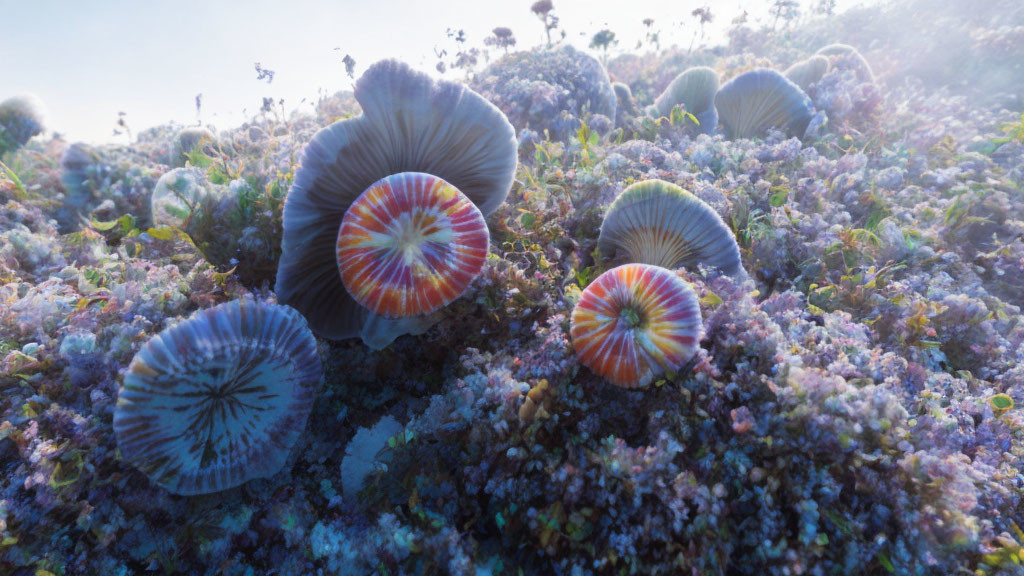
695	88
220	398
761	99
410	123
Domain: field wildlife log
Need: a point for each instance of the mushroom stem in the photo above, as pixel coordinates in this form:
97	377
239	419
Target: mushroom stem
379	332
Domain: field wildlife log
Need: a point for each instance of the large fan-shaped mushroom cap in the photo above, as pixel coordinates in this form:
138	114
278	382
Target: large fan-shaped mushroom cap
695	89
635	322
220	398
410	123
758	100
806	73
655	222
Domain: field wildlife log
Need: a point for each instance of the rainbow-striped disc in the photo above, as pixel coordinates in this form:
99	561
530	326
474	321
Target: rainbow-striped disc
410	244
635	322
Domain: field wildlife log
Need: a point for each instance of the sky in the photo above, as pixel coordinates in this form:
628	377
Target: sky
88	61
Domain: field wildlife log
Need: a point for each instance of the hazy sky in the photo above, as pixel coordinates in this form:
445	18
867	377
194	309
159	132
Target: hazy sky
89	59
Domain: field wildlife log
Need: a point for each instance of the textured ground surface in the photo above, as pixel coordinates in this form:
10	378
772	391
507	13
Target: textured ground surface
853	408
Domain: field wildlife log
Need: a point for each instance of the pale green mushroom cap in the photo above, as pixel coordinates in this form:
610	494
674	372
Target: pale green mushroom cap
658	223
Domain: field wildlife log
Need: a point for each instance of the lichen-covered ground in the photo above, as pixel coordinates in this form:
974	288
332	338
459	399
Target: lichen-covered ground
853	408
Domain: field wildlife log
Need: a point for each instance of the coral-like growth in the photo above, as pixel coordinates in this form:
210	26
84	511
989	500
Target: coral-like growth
635	322
548	90
21	118
695	90
410	123
756	101
220	398
658	223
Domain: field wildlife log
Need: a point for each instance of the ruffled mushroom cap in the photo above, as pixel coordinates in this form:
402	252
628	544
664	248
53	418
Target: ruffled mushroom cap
410	123
220	398
850	57
755	101
410	244
655	222
635	322
807	72
695	90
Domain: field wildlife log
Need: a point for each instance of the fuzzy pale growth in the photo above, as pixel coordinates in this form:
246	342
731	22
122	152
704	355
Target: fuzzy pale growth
756	101
21	118
658	223
220	398
410	123
187	141
177	193
82	169
410	244
636	322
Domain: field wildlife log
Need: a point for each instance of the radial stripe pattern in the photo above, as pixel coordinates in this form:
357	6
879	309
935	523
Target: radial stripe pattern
220	398
656	222
410	244
756	101
635	322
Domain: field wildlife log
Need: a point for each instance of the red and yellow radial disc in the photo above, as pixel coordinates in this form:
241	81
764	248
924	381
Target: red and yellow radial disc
635	322
410	244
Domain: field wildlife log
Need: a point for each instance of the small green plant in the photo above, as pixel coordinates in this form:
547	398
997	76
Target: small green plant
588	140
19	188
680	117
218	164
1001	403
1013	131
852	245
584	276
